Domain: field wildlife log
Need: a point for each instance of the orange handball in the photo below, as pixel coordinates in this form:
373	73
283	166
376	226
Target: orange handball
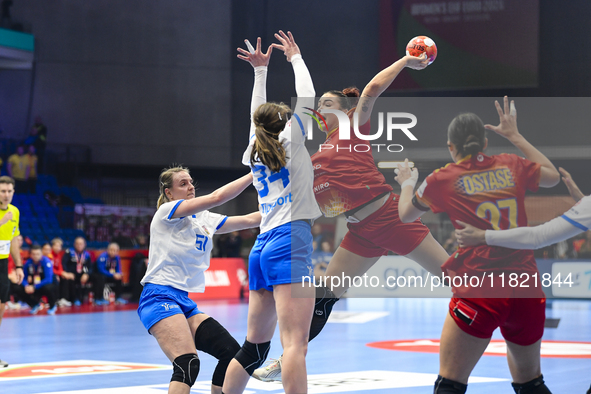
422	44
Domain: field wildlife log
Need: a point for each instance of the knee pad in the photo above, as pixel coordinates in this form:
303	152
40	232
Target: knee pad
325	300
185	369
535	386
446	386
212	338
252	355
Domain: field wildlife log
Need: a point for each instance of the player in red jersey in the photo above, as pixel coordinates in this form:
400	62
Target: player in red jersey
347	181
486	192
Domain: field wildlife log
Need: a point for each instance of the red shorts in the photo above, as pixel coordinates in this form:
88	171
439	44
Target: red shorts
521	319
382	231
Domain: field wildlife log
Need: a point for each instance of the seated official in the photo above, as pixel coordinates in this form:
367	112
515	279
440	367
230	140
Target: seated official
108	270
38	281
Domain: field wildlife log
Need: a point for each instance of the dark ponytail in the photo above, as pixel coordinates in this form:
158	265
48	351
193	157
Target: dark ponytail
467	133
269	120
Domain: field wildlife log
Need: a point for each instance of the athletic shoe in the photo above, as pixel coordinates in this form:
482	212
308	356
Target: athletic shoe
51	311
13	305
3	364
101	302
35	309
271	372
77	303
63	303
24	306
121	301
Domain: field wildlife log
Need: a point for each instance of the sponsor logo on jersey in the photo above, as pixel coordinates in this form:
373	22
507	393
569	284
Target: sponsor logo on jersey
168	307
267	208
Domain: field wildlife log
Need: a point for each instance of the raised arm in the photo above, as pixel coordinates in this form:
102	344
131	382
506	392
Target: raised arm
382	80
507	128
407	178
218	197
259	61
303	81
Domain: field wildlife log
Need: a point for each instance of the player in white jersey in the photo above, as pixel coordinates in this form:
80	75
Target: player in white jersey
571	223
180	249
281	255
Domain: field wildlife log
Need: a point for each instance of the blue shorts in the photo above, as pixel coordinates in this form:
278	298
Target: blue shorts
159	302
281	256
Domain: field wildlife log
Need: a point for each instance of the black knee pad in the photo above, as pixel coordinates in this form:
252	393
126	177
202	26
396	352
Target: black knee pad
185	369
446	386
252	355
325	300
212	338
535	386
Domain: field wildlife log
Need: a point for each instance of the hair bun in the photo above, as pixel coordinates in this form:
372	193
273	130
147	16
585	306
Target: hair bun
351	91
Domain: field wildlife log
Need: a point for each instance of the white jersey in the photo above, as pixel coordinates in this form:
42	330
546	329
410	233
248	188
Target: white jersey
180	248
580	214
287	195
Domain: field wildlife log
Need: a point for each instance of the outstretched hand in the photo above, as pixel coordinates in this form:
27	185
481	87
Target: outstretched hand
469	235
288	45
573	189
405	175
256	58
417	63
507	120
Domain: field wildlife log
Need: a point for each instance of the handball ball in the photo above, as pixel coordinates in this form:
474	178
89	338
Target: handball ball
420	44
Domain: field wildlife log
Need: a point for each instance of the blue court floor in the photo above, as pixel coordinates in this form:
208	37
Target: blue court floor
110	352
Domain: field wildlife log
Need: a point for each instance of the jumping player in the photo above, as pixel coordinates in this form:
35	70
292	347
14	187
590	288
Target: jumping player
488	192
282	253
180	249
348	182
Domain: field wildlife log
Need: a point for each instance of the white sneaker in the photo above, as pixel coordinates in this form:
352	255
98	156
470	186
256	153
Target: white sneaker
13	305
63	303
271	372
3	364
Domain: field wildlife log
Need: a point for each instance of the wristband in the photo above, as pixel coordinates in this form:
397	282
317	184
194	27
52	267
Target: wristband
409	182
20	266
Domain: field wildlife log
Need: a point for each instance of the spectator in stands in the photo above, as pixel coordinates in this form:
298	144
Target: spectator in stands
55	254
38	138
231	245
78	262
584	247
18	169
137	270
108	270
32	176
320	259
38	281
140	242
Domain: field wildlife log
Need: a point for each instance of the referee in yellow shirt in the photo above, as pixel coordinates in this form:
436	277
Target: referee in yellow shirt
9	219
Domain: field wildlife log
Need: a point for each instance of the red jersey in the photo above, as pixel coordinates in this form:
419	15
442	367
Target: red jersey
58	269
345	174
488	193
